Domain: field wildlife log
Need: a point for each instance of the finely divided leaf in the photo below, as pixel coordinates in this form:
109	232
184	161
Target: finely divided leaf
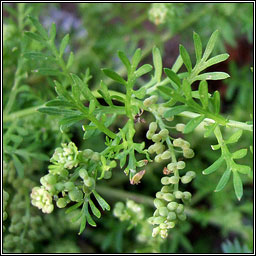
209	129
104	205
203	93
223	181
214	167
210	45
234	137
53	32
18	166
125	60
34	36
39	27
185	57
143	70
198	46
212	76
216	102
175	111
238	185
174	77
157	61
186	88
240	153
113	75
216	59
94	209
136	59
193	123
244	169
63	44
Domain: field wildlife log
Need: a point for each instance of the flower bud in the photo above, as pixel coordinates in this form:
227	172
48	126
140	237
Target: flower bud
158	203
171	216
90	182
166	155
155	231
149	135
181	165
170	225
188	153
158	220
168	197
87	153
174	180
161	110
169	118
182	216
149	101
177	142
69	185
163	226
163	233
75	195
50	179
178	194
186	179
151	220
163	211
151	149
164	133
180	127
172	206
191	174
156	138
83	174
187	195
153	127
158	158
61	203
159	195
166	189
180	209
165	180
95	156
172	167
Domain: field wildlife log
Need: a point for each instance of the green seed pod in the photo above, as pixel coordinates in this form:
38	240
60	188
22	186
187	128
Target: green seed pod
161	110
186	179
158	203
158	220
172	206
107	175
170	224
61	203
172	167
182	216
59	186
163	211
188	153
90	182
181	165
166	189
191	174
87	153
187	195
149	135
151	149
158	146
171	216
156	138
95	156
166	155
178	194
69	185
159	195
164	133
165	180
158	158
153	127
174	180
112	164
180	209
149	101
75	195
50	179
168	197
178	142
83	174
180	127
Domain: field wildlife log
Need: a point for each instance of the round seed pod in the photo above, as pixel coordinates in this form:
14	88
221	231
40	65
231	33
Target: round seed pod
180	209
164	133
156	138
178	194
191	174
151	149
180	127
168	197
187	195
172	167
182	216
50	179
166	189
158	203
83	174
188	153
158	158
75	195
153	127
87	153
181	165
159	195
163	211
171	216
95	156
61	203
186	179
149	135
59	186
177	142
158	220
69	185
174	180
172	206
166	155
165	180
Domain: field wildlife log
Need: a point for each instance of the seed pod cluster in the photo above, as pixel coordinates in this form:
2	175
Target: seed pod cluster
185	146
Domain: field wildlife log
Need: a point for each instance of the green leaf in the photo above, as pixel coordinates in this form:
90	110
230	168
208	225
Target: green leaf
38	55
234	137
48	71
53	32
215	147
210	45
136	59
103	204
170	92
193	123
82	225
171	75
63	44
186	88
92	106
185	57
15	138
198	46
212	76
59	103
203	93
157	61
214	167
113	75
41	30
143	70
34	36
141	93
223	181
76	92
216	102
70	60
125	60
244	169
240	153
61	91
177	64
88	217
105	93
73	207
94	209
56	111
68	121
238	185
175	111
209	129
18	166
217	59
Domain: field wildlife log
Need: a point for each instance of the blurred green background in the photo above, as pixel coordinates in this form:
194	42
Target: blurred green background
217	221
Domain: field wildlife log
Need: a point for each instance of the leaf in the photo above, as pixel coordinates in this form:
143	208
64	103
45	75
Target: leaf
38	55
141	93
136	59
193	123
73	207
41	30
244	169
18	166
92	106
125	60
238	185
216	59
223	181
203	93
70	60
209	129
171	93
48	71
157	61
105	93
240	153
15	138
143	70
210	45
70	120
53	32
198	46
88	217
215	147
186	88
63	44
34	36
234	137
185	57
94	209
61	91
113	75
212	76
76	92
82	225
216	102
57	111
104	205
175	111
171	75
59	103
177	64
214	167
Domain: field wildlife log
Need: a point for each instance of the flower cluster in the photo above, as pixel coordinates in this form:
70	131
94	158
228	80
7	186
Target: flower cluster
185	146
